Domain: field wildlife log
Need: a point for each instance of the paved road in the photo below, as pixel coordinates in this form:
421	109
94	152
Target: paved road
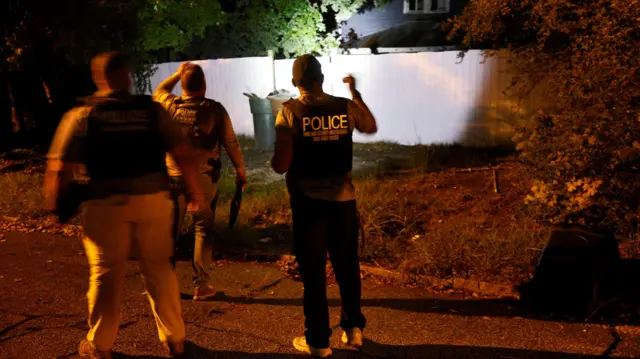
43	280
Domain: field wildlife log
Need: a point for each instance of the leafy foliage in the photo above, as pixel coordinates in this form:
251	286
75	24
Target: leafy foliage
48	43
142	27
77	30
290	27
584	147
173	23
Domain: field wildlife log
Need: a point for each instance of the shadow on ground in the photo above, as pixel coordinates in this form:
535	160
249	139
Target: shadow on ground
623	309
374	350
243	243
615	314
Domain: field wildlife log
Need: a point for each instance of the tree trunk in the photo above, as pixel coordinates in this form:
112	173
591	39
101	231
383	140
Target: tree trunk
6	127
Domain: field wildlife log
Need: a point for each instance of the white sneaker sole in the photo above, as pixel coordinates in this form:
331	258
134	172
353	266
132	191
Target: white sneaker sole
345	341
307	350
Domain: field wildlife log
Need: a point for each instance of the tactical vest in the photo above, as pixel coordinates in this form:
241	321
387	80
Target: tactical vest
192	114
324	144
123	140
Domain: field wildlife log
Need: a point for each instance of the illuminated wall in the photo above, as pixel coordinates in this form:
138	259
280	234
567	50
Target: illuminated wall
227	79
417	98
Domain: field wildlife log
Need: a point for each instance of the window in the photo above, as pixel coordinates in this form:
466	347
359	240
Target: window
426	6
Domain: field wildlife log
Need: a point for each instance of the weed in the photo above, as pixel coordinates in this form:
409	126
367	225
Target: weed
420	216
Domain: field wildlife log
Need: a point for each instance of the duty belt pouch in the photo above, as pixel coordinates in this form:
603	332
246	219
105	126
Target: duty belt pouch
216	169
177	186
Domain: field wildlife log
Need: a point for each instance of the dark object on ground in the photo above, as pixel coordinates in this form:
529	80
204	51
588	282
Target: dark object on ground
69	201
577	272
235	205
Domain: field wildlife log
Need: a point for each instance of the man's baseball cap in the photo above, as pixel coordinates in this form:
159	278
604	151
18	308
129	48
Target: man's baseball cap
306	69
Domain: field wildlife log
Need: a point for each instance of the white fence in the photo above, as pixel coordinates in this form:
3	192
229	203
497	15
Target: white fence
424	98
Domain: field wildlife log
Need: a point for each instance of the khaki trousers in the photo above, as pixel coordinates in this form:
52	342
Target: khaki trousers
116	228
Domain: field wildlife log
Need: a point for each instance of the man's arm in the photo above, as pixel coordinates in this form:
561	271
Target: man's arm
230	143
364	120
283	155
65	155
163	91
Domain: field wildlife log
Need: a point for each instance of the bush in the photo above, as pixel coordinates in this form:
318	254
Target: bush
583	148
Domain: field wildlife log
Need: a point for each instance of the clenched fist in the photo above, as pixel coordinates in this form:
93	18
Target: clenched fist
351	81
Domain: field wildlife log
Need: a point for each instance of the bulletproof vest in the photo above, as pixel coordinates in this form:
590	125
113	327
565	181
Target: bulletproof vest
193	115
123	139
324	144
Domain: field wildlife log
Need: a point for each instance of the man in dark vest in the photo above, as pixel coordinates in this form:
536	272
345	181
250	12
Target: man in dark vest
119	141
314	147
207	124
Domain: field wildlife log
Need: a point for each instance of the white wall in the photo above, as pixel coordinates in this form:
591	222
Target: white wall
422	98
226	80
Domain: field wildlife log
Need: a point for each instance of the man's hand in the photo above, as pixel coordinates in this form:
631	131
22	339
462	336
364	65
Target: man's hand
50	189
351	81
241	178
196	203
182	67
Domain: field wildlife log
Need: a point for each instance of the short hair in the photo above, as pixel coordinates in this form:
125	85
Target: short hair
192	78
306	71
106	64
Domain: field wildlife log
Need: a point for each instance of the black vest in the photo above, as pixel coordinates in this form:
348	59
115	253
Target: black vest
123	140
324	145
192	114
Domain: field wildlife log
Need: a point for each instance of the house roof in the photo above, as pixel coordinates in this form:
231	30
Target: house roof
406	34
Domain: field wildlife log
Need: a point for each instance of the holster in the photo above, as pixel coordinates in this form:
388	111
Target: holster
216	169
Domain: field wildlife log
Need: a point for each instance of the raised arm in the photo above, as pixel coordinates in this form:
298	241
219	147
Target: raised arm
364	120
166	87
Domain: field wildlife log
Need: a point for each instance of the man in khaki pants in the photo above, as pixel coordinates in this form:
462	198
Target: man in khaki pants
120	140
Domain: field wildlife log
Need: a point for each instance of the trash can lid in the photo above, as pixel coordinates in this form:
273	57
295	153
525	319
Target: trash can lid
260	106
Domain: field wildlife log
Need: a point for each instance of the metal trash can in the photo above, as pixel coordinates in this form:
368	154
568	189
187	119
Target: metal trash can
264	123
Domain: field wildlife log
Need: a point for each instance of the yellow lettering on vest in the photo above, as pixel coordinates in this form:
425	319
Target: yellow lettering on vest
335	125
343	121
325	124
316	123
306	121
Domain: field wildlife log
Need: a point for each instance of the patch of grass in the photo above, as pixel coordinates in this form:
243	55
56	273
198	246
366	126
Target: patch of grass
430	221
444	224
451	224
21	195
247	142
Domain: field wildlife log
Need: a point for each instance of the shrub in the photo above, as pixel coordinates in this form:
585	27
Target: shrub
584	148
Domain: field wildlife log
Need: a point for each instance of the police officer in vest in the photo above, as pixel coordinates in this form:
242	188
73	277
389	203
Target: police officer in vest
314	147
207	123
120	140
